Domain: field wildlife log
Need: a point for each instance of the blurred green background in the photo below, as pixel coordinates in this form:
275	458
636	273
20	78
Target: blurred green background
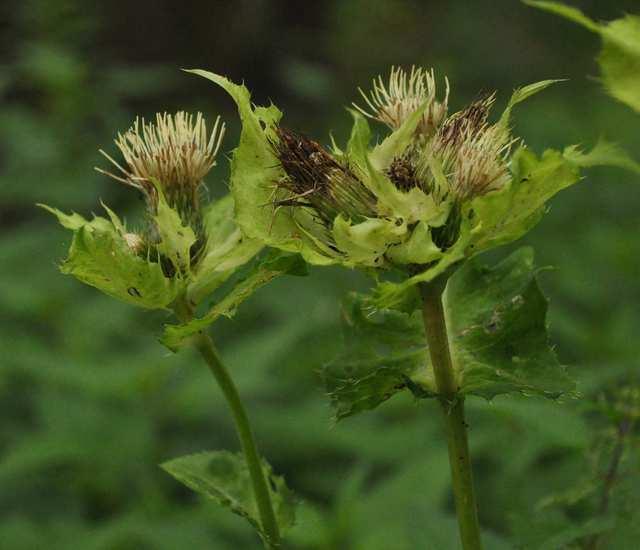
91	403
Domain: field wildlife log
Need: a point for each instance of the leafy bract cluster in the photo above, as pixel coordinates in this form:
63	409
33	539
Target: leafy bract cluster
437	190
188	247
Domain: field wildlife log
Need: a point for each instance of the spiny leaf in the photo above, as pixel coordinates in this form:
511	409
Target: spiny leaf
275	264
254	169
100	256
497	326
224	477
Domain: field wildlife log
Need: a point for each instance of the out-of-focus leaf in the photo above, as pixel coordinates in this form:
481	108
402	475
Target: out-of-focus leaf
497	325
276	263
604	153
619	59
224	477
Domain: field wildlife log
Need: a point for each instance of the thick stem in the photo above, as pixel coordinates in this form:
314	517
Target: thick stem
453	408
207	349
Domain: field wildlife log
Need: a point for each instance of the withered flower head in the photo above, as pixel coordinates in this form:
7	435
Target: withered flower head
393	102
175	153
314	179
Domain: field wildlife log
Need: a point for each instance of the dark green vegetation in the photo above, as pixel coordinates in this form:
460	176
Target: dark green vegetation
90	404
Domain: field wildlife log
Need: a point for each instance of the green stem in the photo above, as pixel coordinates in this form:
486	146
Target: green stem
204	344
453	408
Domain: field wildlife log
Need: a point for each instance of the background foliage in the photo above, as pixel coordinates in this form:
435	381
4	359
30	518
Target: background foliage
91	403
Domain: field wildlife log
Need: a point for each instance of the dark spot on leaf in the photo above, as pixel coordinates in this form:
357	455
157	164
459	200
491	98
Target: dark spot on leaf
133	291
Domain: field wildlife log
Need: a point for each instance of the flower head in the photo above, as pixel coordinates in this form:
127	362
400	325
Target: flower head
394	101
435	191
175	152
188	246
472	153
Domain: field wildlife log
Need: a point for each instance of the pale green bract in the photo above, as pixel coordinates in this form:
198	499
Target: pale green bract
101	256
619	59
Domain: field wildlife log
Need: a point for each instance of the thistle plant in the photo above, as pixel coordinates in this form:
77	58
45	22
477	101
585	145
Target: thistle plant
414	210
187	247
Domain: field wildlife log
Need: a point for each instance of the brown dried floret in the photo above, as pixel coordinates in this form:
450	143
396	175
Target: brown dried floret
314	179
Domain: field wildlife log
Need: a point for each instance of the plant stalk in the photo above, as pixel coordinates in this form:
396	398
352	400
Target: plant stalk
204	344
453	407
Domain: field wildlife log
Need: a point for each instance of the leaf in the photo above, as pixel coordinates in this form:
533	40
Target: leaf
254	170
497	324
619	58
176	239
99	256
226	249
384	352
520	94
273	265
505	215
604	153
224	477
496	319
365	243
395	143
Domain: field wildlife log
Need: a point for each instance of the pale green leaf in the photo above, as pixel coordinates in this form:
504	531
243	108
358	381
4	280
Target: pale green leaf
604	153
225	250
224	477
365	243
395	144
99	256
505	215
496	319
520	94
419	248
275	264
254	171
392	295
176	238
407	206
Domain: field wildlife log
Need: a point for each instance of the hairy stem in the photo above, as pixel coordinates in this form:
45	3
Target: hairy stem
204	344
453	407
